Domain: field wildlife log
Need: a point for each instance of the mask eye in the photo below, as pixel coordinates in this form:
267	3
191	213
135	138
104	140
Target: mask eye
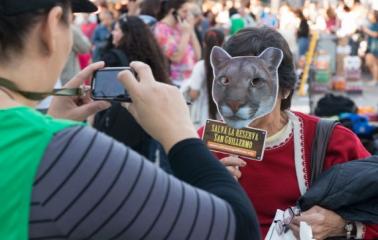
256	82
224	81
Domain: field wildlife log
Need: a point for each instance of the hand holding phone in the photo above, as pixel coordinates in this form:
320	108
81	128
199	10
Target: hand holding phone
175	15
106	86
75	107
184	26
158	107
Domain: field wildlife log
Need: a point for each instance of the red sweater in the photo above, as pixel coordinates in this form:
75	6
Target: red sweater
272	183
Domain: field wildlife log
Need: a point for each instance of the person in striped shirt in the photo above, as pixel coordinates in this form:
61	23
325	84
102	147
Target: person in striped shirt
61	179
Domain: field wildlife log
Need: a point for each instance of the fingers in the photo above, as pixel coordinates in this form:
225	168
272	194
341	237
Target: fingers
233	161
143	71
234	172
232	164
130	83
180	21
85	74
91	108
295	221
303	218
295	229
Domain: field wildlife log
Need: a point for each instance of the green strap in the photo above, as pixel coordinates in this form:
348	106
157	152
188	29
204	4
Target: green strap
37	96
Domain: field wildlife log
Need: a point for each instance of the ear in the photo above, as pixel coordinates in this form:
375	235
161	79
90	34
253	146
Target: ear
218	56
50	28
272	56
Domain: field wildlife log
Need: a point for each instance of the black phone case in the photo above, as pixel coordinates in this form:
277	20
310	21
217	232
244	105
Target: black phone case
116	99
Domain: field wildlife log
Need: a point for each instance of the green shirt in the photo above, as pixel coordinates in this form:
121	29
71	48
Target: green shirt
24	136
237	23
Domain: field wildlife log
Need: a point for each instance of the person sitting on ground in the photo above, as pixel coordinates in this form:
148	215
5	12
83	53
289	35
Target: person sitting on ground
283	175
61	179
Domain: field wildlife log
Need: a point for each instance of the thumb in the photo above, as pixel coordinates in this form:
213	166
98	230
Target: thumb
85	74
91	108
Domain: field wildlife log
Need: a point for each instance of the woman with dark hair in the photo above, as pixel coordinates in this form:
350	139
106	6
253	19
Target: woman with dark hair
176	36
61	179
303	33
283	175
200	83
132	40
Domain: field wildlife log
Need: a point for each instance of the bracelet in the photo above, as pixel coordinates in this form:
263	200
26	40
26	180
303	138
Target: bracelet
351	230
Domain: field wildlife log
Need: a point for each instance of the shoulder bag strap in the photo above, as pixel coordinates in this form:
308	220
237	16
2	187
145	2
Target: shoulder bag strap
323	133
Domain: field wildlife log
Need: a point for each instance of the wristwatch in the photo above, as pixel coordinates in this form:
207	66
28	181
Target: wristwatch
351	230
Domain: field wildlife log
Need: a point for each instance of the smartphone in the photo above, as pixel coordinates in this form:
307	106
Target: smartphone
175	15
105	85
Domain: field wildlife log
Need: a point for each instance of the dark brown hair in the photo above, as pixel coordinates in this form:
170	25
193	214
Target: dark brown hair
139	44
14	29
167	5
299	13
150	8
213	37
253	41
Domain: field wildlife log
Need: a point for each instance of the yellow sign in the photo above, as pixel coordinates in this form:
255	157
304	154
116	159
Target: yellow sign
244	142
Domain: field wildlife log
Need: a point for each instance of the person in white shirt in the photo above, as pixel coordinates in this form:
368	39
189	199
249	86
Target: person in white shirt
198	88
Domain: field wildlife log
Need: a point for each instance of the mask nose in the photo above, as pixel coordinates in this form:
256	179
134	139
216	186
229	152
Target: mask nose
234	105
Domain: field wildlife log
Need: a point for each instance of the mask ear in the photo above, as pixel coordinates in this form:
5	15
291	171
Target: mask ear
272	56
218	56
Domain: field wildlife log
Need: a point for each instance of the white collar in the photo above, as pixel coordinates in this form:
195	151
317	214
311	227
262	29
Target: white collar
281	137
300	167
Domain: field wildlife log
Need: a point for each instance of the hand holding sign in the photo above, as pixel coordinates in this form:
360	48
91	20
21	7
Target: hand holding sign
232	163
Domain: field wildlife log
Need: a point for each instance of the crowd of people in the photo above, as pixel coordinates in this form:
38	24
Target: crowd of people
108	170
181	30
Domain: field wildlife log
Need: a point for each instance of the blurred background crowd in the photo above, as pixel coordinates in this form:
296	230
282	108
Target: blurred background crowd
351	24
335	43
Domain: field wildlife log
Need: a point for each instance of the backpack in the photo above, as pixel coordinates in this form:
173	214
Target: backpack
333	105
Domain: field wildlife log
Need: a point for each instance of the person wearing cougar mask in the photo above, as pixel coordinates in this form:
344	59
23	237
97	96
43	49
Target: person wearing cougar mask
254	81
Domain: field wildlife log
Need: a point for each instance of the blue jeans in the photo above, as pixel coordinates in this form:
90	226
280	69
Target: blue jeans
303	43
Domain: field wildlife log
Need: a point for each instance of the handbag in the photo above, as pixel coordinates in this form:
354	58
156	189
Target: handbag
324	129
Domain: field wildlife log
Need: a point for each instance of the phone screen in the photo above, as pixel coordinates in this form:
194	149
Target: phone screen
105	85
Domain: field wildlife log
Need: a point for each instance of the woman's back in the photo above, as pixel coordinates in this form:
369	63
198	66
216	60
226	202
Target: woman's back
25	134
